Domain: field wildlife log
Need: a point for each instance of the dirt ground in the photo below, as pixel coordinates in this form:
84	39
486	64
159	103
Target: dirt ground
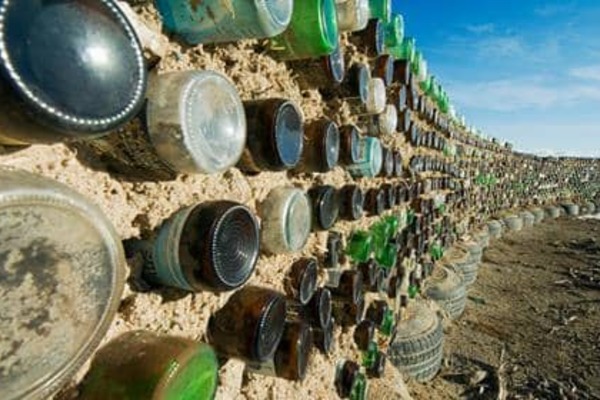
530	330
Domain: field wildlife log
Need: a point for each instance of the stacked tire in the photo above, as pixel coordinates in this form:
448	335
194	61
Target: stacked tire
447	287
513	223
528	219
571	209
417	348
495	228
552	212
538	214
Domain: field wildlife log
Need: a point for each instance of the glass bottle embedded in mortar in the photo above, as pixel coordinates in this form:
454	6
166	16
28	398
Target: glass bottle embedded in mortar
215	21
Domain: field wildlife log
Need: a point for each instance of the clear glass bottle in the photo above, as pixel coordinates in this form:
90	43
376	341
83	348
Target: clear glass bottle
371	159
63	273
214	21
286	220
275	136
211	246
353	15
143	365
250	325
195	123
68	70
385	123
313	31
376	96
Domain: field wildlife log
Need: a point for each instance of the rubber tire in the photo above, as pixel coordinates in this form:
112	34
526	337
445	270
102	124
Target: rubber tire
447	287
495	228
469	272
538	214
552	212
483	237
571	210
513	223
528	219
474	249
591	207
417	348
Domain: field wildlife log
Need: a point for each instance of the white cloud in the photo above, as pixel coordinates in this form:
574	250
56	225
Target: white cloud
591	72
520	94
481	28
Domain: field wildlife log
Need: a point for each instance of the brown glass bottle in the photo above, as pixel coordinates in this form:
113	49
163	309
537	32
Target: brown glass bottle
325	206
291	356
351	202
404	121
399	97
398	167
364	333
368	270
349	287
390	195
324	337
348	313
250	325
349	379
384	68
318	310
321	146
321	73
376	311
335	251
375	202
349	144
370	41
275	136
355	86
402	73
301	281
387	169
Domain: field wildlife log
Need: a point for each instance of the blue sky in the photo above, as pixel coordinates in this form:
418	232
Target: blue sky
526	71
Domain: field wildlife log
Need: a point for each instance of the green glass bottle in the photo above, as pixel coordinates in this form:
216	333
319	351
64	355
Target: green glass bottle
142	365
313	31
359	246
406	50
413	290
369	355
381	234
381	9
389	321
394	31
387	255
